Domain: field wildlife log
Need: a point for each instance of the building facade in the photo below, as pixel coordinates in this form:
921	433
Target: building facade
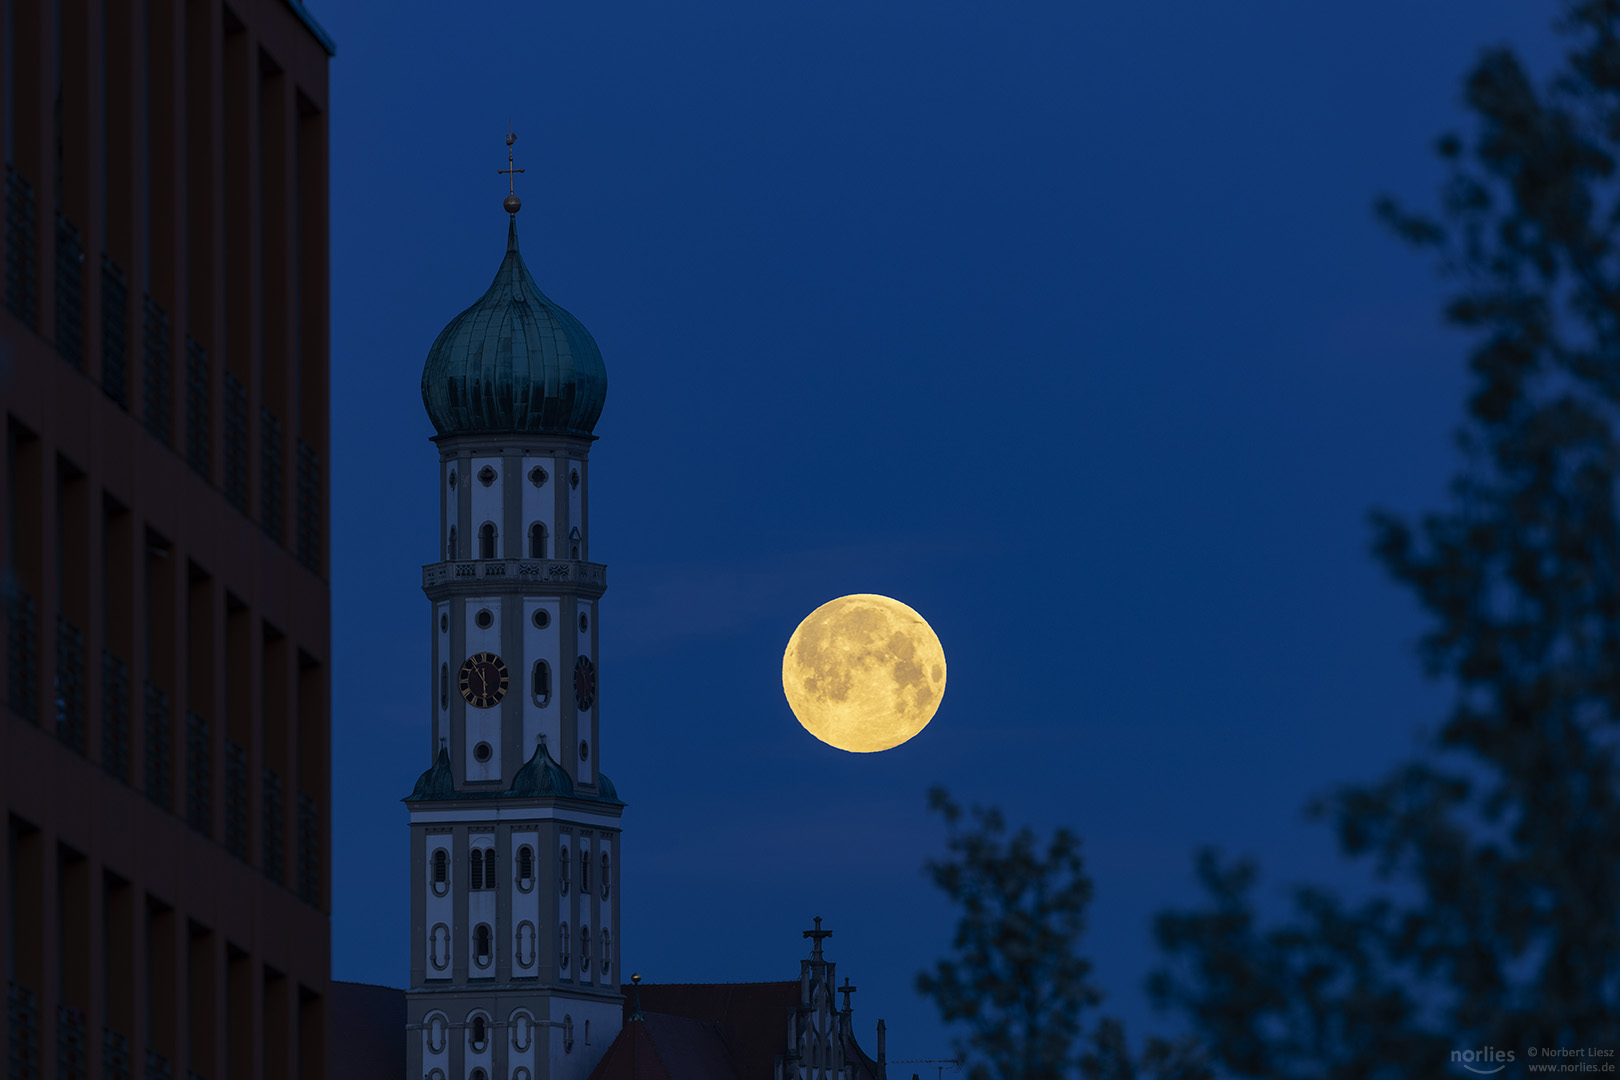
164	749
514	829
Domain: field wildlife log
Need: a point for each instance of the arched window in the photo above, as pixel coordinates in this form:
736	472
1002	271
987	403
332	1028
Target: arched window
439	947
478	1074
525	944
584	871
479	1030
562	876
573	543
525	865
436	1033
489	869
541	689
604	875
481	947
486	540
568	1034
585	950
441	871
587	1033
564	942
522	1031
475	869
444	686
450	544
537	540
607	949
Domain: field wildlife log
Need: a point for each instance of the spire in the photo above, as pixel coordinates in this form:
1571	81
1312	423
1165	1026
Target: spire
635	1013
512	203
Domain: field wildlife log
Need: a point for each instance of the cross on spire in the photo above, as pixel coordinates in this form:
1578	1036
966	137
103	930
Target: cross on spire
846	990
513	204
816	935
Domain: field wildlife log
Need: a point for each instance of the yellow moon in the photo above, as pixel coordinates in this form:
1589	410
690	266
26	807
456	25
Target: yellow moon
863	673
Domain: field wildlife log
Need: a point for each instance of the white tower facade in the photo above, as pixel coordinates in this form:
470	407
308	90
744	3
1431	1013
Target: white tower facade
515	838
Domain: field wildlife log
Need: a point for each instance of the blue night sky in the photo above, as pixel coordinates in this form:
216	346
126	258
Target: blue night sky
1069	325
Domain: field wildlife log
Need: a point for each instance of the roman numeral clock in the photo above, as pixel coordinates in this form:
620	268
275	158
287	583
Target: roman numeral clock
514	830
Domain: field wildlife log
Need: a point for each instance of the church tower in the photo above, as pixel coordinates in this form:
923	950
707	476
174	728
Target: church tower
514	827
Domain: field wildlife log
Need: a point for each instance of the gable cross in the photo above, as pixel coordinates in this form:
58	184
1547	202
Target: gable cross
816	935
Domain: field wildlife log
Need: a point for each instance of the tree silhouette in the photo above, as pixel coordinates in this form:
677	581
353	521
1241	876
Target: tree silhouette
1017	981
1498	844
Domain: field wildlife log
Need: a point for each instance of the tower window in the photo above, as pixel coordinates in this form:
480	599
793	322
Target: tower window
604	875
568	1034
573	543
481	946
436	1033
475	870
522	1031
562	876
525	867
486	540
584	750
444	686
444	621
564	943
537	540
486	476
482	753
607	949
585	950
452	471
537	476
484	619
542	683
450	544
439	947
441	871
478	1074
525	946
584	622
479	1028
584	871
489	869
573	478
541	618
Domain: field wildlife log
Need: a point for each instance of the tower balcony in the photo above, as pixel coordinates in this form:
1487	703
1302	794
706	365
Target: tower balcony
549	576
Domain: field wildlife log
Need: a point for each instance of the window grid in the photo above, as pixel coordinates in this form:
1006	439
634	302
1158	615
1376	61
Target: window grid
22	655
22	286
69	292
236	799
272	825
236	451
270	508
309	850
199	433
114	332
156	378
69	684
309	507
115	1055
199	775
157	746
72	1053
114	716
22	1026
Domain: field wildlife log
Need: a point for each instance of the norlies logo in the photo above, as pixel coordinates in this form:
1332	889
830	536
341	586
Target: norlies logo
1485	1061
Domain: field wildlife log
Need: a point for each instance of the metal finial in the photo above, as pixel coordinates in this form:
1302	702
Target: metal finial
512	203
635	980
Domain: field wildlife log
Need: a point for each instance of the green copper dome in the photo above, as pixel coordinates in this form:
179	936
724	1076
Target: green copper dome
514	362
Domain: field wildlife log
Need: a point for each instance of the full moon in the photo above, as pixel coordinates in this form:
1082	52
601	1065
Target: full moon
863	673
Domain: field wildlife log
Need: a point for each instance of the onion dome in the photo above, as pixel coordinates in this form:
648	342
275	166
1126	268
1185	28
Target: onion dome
514	362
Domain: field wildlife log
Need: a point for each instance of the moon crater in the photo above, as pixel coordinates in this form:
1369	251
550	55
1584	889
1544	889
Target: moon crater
863	673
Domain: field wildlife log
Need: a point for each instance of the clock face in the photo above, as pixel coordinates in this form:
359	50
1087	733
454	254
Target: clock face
484	679
584	682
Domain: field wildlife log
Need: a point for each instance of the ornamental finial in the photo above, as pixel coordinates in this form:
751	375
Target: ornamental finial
513	204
